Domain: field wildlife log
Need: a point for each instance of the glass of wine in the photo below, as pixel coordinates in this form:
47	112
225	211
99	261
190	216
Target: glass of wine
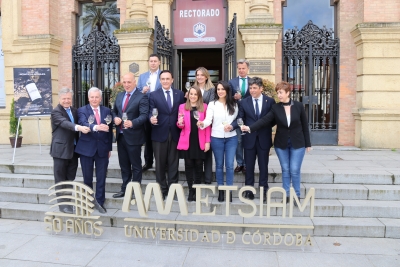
187	85
91	119
155	114
238	90
148	82
240	123
108	119
124	118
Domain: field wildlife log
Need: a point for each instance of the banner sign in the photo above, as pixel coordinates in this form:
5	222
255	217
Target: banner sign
32	91
199	22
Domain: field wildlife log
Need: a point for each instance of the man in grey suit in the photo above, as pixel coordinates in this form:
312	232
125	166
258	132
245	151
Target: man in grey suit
149	82
64	119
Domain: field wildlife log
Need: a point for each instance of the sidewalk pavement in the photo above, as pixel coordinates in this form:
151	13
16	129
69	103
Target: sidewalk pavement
27	244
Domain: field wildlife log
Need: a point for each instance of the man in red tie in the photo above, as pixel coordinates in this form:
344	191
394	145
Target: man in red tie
130	132
95	147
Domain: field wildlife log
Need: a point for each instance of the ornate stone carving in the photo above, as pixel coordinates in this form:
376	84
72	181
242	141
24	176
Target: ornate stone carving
259	12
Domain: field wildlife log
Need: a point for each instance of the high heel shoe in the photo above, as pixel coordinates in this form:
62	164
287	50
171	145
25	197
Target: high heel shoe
221	196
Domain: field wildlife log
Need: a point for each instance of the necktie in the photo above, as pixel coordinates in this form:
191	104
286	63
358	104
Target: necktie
70	115
96	115
71	118
243	86
126	102
257	109
169	102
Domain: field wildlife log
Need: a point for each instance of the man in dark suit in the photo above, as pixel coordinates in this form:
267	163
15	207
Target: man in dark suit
65	134
130	133
165	133
96	146
240	90
256	144
151	76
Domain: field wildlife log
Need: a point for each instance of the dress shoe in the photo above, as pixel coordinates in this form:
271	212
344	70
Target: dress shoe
67	209
192	194
99	207
164	196
230	198
250	195
295	203
221	196
287	200
119	194
147	166
265	196
244	170
238	168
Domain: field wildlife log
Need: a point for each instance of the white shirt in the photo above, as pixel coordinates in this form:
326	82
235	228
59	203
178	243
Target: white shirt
171	94
153	80
260	98
216	114
202	92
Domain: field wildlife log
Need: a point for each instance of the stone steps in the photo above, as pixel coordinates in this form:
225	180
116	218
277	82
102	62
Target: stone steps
318	226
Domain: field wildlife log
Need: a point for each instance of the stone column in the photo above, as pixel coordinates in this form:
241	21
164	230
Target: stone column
377	112
260	12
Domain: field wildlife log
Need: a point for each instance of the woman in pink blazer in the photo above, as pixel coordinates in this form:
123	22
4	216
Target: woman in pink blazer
193	141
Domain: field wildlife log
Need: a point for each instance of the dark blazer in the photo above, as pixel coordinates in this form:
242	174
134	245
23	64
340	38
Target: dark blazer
247	113
209	95
166	118
63	133
137	111
234	84
93	141
297	131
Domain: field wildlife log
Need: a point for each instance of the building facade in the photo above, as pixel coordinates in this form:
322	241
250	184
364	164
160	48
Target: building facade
363	67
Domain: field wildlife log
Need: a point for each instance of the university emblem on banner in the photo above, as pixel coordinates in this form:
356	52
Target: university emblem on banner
199	30
80	197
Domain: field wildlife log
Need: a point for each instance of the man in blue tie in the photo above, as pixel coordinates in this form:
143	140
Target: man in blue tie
64	119
256	144
240	89
165	133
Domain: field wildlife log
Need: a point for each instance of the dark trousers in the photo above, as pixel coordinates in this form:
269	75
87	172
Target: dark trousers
101	163
148	149
250	156
130	162
193	166
165	153
208	167
64	170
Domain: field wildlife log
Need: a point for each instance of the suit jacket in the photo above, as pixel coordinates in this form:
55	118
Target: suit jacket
297	131
234	84
94	141
166	118
248	114
137	111
63	133
209	95
184	139
143	79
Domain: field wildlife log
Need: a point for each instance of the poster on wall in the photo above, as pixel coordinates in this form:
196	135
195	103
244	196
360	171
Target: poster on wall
199	22
32	91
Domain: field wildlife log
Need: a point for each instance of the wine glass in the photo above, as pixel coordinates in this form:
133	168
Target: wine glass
180	116
124	118
148	82
108	119
155	114
240	123
196	115
91	119
238	90
187	85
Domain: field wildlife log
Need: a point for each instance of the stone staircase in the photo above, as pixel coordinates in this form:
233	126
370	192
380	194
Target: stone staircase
346	204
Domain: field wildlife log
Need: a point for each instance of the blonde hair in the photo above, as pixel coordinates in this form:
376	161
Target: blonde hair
199	103
208	85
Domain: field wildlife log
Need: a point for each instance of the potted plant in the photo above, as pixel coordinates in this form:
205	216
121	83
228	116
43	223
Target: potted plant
118	87
13	127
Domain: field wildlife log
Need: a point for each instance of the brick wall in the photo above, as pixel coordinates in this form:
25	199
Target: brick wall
381	11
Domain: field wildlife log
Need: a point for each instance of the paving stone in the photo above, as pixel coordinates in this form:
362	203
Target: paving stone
383	192
19	263
371	208
392	228
384	260
338	191
334	226
10	242
288	259
58	249
362	177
